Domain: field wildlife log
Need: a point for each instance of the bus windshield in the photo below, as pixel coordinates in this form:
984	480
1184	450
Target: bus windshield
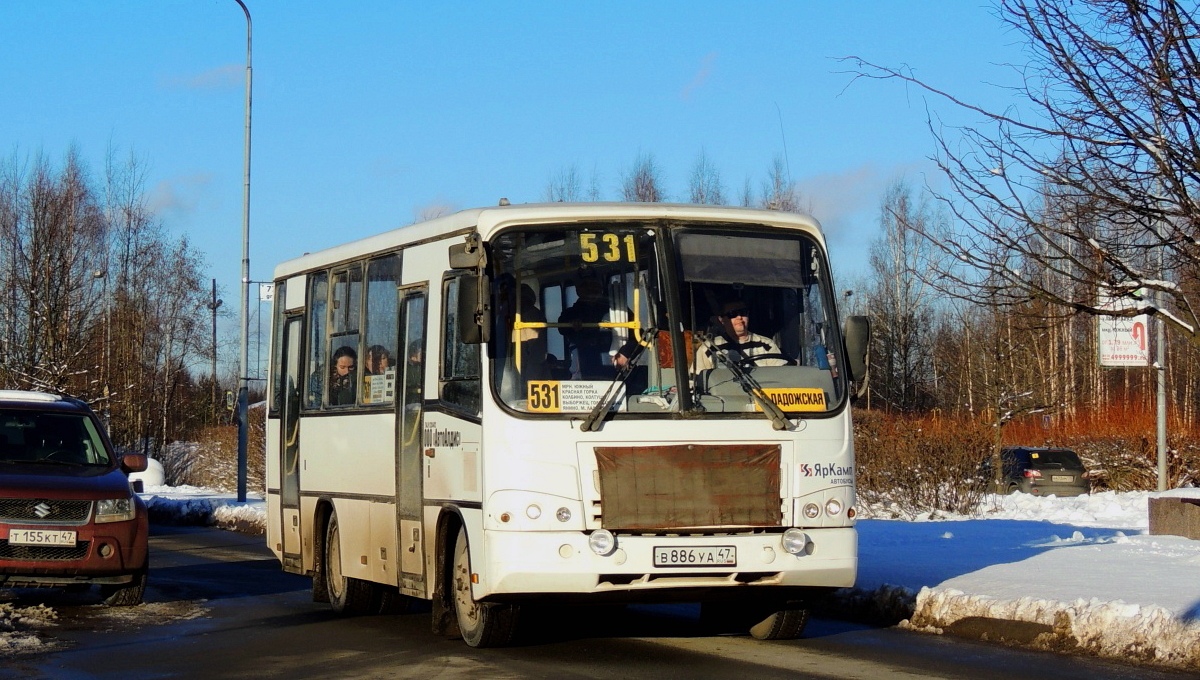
649	318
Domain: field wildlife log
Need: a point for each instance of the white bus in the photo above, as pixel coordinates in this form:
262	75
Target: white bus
558	403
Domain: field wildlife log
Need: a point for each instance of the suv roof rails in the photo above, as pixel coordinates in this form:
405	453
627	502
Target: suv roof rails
28	395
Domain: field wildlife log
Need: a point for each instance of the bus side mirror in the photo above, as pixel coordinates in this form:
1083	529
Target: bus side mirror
474	310
467	255
858	338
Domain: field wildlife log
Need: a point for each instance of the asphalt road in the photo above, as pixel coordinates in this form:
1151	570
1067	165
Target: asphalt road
219	606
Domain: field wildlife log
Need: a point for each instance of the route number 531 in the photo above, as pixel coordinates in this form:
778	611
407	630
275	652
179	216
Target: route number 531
544	396
607	246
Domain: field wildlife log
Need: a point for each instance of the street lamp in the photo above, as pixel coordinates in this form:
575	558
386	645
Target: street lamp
243	389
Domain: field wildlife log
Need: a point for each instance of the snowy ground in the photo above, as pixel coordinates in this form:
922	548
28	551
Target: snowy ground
1078	573
1066	574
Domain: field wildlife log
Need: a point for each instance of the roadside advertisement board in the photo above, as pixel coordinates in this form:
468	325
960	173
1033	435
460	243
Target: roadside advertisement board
1124	340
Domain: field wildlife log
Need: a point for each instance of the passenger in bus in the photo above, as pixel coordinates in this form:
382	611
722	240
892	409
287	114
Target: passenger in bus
342	382
589	345
638	374
379	360
532	341
736	340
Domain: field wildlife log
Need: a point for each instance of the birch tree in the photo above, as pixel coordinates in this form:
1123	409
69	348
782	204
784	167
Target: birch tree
901	303
643	183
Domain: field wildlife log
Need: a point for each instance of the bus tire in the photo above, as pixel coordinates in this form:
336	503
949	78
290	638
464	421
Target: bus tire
320	590
482	624
786	624
349	596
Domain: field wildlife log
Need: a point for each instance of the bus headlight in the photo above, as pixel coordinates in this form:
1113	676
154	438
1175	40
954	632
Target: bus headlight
833	506
795	542
563	514
811	511
533	511
602	542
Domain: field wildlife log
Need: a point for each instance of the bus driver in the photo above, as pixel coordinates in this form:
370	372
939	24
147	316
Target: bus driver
736	340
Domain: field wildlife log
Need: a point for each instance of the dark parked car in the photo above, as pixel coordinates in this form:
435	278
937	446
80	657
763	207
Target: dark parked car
68	516
1038	471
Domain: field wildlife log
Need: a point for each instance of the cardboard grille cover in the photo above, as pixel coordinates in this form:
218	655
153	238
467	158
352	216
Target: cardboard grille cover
689	485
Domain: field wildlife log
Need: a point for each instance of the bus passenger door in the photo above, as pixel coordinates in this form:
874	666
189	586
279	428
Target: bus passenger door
410	409
289	445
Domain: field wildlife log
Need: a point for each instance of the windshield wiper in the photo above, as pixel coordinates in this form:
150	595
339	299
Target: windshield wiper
749	385
592	422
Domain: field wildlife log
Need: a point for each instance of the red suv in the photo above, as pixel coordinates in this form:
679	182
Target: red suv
68	516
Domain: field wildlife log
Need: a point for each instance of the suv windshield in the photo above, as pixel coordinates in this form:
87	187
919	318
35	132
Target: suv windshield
65	438
650	317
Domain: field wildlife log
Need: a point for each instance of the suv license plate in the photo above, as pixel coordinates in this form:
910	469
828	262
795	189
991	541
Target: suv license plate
1062	478
41	537
712	556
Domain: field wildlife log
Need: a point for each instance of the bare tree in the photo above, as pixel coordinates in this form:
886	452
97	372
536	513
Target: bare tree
1108	124
593	191
643	183
705	185
98	302
901	303
565	186
780	192
746	198
53	232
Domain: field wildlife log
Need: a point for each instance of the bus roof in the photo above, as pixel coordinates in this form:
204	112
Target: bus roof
488	220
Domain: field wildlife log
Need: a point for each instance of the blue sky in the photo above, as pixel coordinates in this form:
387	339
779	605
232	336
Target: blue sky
367	115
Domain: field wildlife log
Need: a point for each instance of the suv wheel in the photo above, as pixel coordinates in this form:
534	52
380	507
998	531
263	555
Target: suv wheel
126	595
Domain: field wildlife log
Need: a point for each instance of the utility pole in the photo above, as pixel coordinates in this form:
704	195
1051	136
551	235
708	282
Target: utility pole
243	368
213	307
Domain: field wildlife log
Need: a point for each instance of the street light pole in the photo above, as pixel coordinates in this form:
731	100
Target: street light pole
244	387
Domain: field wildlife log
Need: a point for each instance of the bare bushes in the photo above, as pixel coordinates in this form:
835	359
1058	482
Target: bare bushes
912	466
211	461
1130	462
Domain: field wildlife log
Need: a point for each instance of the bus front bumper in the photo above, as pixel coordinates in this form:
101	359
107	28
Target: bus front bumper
562	563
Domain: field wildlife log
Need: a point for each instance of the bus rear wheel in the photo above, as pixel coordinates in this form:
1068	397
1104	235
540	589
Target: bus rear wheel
482	624
349	596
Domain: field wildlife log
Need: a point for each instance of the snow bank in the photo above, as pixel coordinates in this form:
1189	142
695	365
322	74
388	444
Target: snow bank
205	507
1116	629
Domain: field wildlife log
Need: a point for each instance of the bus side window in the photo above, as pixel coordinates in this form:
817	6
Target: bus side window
344	367
459	382
381	358
318	325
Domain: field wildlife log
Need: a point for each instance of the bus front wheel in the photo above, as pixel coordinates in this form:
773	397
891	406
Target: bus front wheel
482	624
349	596
786	624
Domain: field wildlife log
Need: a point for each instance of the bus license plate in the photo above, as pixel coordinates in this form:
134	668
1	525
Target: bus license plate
41	537
714	556
1062	478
